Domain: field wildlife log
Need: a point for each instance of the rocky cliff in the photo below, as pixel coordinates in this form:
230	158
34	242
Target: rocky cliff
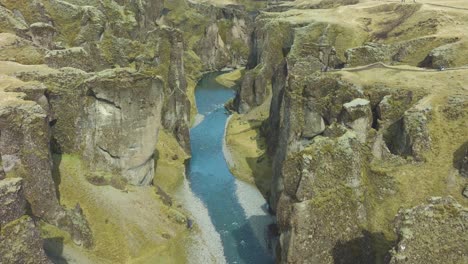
19	235
88	90
96	101
355	130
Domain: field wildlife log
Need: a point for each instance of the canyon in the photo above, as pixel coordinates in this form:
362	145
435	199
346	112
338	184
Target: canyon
349	117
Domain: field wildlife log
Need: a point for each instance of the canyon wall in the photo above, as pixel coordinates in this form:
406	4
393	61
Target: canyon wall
349	136
96	83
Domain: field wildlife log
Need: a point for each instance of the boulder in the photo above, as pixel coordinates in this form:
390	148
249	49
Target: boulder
313	122
357	115
43	34
368	54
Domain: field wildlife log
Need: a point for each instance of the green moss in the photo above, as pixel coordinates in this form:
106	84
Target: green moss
170	162
111	235
223	29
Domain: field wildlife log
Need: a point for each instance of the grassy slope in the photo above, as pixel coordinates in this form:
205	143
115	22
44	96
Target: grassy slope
248	148
435	177
126	224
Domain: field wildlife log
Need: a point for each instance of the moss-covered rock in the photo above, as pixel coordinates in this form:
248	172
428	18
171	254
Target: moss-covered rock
13	203
432	233
21	243
24	147
14	48
325	183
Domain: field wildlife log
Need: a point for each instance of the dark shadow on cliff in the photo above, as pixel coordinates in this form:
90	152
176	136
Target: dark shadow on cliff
370	248
252	251
53	247
57	178
460	159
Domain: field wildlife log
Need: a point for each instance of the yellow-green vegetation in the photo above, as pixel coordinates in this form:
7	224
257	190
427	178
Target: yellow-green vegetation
16	49
131	226
230	79
249	4
247	148
170	162
415	182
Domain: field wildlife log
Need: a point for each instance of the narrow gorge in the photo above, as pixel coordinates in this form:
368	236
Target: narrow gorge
233	131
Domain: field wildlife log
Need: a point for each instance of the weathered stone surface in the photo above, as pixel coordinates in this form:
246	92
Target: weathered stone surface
269	46
320	205
76	57
306	94
176	109
20	242
357	115
24	141
226	37
43	34
461	160
447	56
24	147
19	237
12	202
15	48
313	122
432	233
120	133
404	51
11	23
369	53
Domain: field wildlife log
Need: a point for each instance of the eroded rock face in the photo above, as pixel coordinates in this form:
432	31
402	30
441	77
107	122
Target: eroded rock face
121	131
226	38
323	188
20	241
24	147
12	201
403	51
432	233
43	34
304	97
270	43
357	115
176	110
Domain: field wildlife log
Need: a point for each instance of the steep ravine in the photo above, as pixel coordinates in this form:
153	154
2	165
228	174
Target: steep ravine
237	210
357	142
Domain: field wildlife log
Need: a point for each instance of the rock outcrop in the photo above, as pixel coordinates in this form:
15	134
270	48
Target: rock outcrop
116	73
19	236
119	132
24	147
344	142
432	233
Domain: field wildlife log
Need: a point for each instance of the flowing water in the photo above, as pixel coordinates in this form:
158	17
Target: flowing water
236	209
